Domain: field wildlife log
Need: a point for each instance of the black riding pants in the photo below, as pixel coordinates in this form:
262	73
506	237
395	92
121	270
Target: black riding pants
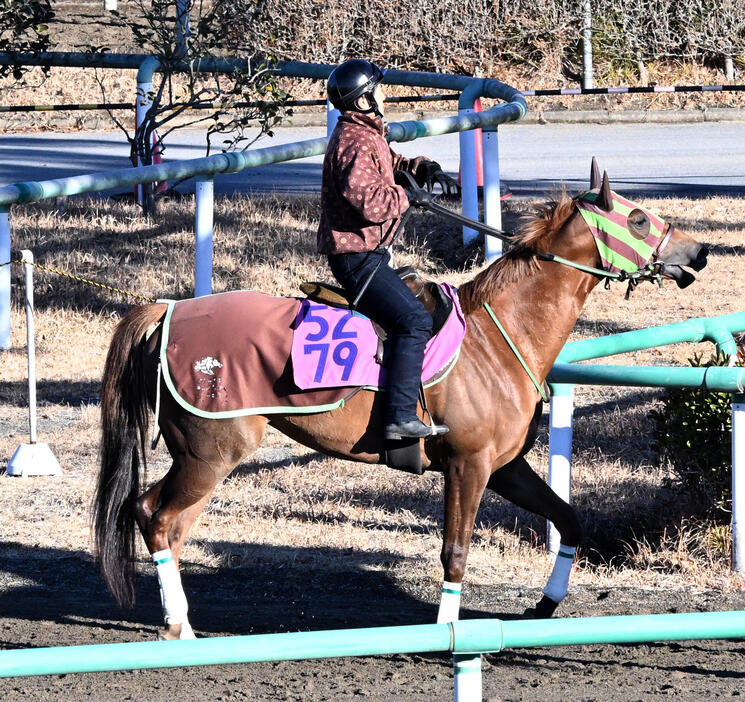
390	303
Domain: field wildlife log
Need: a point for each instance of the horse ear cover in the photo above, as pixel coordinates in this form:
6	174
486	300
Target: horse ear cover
605	198
594	174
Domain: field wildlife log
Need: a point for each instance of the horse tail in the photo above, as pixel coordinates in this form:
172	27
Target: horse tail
124	423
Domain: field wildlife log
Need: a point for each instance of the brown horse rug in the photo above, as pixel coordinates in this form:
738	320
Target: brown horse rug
231	354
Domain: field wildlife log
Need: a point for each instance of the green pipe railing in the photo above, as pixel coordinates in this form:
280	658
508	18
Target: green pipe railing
479	87
716	329
233	162
712	379
470	636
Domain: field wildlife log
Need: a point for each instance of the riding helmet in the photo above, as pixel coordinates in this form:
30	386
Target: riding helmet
352	79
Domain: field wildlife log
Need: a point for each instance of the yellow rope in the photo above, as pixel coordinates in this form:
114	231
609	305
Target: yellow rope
79	279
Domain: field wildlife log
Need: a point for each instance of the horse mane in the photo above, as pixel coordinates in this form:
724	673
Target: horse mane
535	234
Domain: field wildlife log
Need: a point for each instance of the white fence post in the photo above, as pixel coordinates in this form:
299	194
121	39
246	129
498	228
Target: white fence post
109	5
560	451
32	458
143	101
492	200
467	674
468	177
587	77
205	196
332	117
183	28
4	277
738	483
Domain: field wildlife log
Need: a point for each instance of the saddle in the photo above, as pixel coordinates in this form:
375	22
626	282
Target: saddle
435	301
402	455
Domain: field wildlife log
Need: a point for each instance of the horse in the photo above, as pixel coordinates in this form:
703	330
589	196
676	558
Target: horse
488	400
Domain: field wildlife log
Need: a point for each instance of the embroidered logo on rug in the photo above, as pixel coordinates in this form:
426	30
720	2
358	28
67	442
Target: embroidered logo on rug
206	365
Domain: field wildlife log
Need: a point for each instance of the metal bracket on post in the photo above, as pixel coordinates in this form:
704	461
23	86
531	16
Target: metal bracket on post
738	483
205	196
32	458
560	451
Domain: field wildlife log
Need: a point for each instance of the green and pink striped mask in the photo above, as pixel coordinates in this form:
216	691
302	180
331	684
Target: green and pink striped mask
619	249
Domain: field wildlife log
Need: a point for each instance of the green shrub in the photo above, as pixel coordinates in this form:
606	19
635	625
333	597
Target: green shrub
693	434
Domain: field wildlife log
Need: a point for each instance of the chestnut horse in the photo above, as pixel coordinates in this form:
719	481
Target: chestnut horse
488	400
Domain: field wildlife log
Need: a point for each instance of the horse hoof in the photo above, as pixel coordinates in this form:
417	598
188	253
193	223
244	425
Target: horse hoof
543	610
175	632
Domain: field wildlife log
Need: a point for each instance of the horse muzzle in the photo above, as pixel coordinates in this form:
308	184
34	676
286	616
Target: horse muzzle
685	255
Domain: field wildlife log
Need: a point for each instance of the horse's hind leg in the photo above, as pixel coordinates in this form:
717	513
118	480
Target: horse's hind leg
166	512
518	483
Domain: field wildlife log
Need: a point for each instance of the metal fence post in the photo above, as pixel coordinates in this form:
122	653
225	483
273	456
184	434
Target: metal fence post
467	674
143	101
492	200
4	277
332	117
587	78
183	28
738	483
204	230
33	458
560	451
468	179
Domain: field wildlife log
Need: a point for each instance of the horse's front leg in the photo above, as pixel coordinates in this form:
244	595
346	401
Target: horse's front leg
518	483
465	481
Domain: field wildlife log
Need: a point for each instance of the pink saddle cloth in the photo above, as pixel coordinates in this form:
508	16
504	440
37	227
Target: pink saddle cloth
333	347
232	354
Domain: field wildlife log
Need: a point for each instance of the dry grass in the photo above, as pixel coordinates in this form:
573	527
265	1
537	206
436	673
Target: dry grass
292	504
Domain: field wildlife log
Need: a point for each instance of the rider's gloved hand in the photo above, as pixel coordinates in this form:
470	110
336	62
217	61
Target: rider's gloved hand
430	173
417	197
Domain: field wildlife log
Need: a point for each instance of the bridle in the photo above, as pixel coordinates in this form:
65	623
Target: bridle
652	271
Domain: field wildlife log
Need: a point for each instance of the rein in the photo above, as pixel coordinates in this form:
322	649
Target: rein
652	271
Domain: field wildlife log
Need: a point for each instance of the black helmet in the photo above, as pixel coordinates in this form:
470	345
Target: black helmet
351	80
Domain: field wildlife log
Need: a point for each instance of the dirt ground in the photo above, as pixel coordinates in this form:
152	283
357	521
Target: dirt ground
66	602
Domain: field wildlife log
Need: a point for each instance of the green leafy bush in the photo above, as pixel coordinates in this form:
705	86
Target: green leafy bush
693	434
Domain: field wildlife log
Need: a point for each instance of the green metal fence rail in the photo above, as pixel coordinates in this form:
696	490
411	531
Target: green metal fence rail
460	637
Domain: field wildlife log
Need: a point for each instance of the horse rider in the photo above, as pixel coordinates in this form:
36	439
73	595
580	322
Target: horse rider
361	206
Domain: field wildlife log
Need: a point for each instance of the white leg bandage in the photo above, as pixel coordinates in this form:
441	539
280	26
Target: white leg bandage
558	583
175	607
449	603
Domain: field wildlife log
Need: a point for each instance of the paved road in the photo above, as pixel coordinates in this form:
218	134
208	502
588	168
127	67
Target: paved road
687	159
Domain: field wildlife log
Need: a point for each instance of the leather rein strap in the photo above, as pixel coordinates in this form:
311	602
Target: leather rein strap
650	271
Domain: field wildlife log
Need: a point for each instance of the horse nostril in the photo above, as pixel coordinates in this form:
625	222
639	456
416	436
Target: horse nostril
700	261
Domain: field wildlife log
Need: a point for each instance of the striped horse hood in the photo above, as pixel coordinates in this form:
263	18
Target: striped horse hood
619	249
